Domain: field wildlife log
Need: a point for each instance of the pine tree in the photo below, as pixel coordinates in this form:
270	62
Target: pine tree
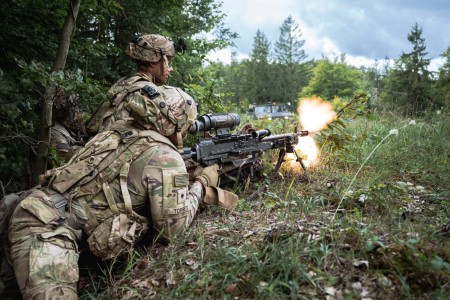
259	87
290	75
289	47
261	48
417	67
408	83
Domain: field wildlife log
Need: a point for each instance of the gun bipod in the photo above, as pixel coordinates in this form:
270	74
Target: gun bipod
280	160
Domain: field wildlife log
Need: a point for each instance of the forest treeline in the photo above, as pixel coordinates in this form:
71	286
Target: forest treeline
283	72
33	35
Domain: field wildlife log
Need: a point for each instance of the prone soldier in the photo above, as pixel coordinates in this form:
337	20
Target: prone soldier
67	132
122	182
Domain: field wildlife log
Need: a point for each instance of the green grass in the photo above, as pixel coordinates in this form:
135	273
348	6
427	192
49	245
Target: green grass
381	233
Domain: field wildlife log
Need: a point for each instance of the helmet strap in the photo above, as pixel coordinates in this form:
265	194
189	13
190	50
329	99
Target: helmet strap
157	79
163	58
144	68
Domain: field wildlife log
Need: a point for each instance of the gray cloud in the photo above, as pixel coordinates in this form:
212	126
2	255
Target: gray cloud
370	29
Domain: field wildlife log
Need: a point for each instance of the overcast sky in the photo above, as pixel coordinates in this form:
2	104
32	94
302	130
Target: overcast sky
364	30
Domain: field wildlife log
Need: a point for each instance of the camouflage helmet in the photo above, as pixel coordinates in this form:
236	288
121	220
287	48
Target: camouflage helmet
151	47
64	100
66	108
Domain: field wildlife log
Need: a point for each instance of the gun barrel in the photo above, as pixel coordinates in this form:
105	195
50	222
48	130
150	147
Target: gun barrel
303	133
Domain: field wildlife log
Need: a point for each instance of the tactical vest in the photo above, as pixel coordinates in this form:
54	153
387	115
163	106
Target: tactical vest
111	111
108	112
90	171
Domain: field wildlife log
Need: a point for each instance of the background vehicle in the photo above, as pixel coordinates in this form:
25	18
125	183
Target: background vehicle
271	111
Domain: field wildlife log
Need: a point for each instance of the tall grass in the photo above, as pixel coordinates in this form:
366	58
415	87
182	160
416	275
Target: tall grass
390	237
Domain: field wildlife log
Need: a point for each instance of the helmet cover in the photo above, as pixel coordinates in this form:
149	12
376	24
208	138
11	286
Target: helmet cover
150	47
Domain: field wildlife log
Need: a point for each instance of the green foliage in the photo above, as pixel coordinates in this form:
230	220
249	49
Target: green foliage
442	85
291	73
411	155
229	87
337	136
333	79
27	31
389	234
205	92
263	80
21	107
18	119
261	48
29	37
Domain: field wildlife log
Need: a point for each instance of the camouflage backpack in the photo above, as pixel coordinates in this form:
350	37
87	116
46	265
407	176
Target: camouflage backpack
88	175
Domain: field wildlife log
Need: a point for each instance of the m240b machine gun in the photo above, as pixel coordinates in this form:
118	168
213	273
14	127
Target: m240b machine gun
234	152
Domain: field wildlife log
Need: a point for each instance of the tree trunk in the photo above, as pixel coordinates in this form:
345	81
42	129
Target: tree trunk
44	129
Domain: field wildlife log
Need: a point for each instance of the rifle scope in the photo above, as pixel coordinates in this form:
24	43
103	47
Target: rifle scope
215	121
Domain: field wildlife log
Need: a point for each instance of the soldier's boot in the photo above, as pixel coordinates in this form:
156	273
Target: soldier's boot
45	257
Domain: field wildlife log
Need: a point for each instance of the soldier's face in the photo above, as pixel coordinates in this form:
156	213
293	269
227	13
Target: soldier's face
167	62
162	69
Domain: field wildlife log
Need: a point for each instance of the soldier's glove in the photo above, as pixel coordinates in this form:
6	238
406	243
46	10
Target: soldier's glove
209	176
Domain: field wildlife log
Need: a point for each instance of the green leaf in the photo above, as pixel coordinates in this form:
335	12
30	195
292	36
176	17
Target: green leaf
438	264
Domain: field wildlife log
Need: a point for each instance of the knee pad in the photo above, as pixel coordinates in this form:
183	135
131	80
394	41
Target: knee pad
46	265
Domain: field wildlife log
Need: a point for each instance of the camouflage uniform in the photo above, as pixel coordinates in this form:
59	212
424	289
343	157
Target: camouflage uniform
67	131
107	189
64	142
149	48
103	191
113	109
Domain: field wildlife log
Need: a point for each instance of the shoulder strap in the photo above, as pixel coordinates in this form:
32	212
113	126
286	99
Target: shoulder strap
119	91
157	137
126	86
83	166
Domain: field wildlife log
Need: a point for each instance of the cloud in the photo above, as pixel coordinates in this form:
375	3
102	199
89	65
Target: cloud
225	55
359	61
364	30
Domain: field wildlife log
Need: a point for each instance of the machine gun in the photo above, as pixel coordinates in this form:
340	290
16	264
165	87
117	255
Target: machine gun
235	152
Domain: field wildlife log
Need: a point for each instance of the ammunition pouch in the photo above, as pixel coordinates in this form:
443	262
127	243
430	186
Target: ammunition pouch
116	235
